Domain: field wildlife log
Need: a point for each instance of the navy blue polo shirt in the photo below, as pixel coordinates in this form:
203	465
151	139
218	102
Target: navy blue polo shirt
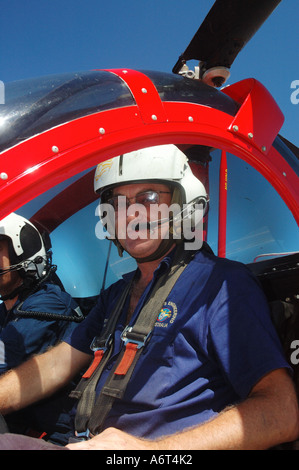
212	342
22	337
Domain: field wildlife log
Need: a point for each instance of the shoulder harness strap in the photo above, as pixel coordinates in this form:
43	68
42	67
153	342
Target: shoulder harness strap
91	414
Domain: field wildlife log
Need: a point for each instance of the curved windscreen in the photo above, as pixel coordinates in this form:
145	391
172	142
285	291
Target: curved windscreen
289	152
177	88
35	105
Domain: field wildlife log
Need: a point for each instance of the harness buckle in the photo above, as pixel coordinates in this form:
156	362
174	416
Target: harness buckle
133	341
80	436
100	344
99	347
130	336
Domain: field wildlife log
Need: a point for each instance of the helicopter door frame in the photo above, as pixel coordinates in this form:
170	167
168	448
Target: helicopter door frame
47	159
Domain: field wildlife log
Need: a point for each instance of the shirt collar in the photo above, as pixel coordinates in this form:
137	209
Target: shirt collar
163	266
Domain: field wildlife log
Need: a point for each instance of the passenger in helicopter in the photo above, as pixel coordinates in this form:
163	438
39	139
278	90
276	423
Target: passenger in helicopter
35	314
192	360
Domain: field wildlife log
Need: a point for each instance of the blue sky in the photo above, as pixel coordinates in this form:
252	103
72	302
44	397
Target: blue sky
40	37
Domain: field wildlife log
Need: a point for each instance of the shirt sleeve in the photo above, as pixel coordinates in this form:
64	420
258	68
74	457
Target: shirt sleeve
82	336
242	334
24	336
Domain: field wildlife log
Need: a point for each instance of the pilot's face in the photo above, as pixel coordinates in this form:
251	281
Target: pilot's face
10	280
133	217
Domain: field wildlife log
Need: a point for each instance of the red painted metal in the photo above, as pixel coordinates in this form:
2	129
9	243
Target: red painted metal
259	118
66	203
145	94
222	211
35	165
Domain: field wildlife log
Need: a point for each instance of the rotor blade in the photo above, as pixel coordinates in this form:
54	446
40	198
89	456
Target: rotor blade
229	25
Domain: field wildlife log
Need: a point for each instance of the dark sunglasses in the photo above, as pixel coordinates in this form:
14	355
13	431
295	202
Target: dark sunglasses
146	198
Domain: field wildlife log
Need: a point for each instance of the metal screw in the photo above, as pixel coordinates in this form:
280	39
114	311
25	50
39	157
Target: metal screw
3	176
235	128
154	117
102	130
264	148
250	135
144	90
190	118
55	149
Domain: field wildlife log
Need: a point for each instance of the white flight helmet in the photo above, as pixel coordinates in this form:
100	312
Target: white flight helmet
164	164
26	250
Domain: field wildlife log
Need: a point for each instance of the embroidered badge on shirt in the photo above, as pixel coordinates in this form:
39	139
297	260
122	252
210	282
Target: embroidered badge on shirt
167	314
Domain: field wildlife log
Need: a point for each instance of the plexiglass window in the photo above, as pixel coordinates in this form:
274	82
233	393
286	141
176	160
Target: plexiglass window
259	224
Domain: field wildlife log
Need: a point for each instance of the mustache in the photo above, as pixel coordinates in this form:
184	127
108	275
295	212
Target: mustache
140	227
150	226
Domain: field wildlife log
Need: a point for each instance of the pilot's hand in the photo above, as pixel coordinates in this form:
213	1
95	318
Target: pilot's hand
113	439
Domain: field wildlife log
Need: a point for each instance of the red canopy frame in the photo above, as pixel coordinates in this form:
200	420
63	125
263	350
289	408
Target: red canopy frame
44	160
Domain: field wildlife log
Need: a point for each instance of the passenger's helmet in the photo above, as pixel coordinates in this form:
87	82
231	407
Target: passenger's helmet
27	251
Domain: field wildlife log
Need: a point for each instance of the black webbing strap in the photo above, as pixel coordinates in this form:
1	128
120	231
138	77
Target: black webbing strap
102	348
90	414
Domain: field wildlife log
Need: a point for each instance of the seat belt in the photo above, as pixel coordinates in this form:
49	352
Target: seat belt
102	348
91	414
